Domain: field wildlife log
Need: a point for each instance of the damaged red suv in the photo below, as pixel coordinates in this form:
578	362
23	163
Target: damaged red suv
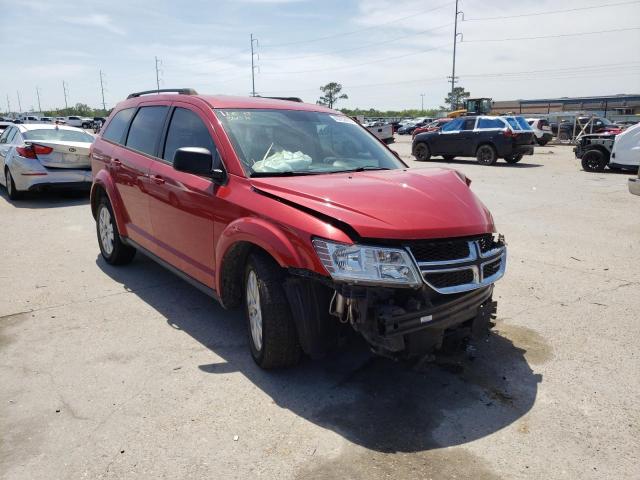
300	216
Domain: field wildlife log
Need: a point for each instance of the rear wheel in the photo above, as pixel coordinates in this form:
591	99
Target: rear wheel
273	339
542	141
113	249
422	152
12	192
486	155
594	161
513	158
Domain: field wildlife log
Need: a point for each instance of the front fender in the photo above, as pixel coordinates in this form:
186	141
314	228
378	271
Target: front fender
286	247
105	182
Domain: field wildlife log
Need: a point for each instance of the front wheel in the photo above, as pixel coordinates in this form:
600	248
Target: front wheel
594	161
112	248
422	152
273	339
513	158
486	155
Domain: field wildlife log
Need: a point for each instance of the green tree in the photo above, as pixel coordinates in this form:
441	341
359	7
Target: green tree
455	99
331	95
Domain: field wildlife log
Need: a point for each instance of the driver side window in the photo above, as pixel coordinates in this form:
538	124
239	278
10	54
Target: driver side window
186	130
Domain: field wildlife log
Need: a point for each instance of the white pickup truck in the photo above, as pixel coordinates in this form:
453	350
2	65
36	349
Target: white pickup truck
79	122
384	131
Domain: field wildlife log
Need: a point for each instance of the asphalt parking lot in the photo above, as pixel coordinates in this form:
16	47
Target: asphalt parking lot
129	372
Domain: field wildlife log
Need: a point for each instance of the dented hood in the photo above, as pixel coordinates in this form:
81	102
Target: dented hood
388	204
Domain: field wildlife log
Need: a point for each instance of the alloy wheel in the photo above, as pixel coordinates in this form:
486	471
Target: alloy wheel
254	310
105	226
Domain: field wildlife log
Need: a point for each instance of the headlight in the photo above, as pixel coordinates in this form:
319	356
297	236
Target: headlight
364	264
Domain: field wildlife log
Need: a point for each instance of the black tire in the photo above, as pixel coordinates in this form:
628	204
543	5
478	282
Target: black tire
594	161
514	158
422	152
542	141
278	346
486	155
118	253
448	158
12	192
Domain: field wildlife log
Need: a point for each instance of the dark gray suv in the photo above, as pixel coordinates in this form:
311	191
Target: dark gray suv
484	137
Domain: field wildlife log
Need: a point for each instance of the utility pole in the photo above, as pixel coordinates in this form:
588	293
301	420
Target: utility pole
253	66
64	90
19	103
157	75
104	105
455	42
422	95
38	95
8	104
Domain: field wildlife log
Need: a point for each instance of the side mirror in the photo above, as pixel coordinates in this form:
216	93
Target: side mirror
198	161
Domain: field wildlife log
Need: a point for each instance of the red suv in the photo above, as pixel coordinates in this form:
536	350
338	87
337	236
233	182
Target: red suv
301	216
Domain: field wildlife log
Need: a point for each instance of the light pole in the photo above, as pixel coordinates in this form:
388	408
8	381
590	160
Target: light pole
422	109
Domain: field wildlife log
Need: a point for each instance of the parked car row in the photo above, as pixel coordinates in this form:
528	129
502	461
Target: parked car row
72	121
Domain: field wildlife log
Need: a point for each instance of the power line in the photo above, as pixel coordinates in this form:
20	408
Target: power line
550	12
380	60
550	36
352	32
361	47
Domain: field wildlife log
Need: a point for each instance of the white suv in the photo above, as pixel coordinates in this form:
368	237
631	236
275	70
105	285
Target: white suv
541	129
79	122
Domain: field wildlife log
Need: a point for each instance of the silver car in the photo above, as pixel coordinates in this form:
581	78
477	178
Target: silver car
41	156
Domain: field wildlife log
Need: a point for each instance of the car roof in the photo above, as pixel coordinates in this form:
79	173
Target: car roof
24	127
233	102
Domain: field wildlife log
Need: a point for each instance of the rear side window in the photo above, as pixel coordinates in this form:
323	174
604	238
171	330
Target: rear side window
186	130
4	138
490	123
523	123
118	125
513	123
146	129
469	124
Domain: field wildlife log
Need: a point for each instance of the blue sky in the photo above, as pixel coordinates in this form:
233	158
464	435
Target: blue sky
384	52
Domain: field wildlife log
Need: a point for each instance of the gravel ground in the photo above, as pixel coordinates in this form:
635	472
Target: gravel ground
131	373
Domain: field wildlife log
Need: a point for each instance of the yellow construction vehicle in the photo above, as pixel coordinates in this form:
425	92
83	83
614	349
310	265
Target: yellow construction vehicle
474	106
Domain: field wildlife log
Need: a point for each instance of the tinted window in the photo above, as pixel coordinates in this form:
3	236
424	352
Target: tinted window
186	130
523	123
469	124
490	123
118	125
513	123
146	129
453	125
58	134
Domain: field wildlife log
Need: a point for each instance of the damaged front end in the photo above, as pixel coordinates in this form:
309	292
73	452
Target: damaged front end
405	300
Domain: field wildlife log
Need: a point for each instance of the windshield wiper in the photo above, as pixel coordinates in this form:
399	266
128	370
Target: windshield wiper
361	169
288	173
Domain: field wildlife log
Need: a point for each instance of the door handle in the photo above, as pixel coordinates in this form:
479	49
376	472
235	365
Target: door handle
157	179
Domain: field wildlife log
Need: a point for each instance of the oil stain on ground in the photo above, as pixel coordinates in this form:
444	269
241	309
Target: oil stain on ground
356	464
537	350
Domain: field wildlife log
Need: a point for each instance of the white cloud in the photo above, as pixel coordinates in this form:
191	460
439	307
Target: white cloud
99	20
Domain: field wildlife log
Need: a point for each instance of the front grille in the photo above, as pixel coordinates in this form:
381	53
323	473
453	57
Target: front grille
491	269
460	264
439	251
449	279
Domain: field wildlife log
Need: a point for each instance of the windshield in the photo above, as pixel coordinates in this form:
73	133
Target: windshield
278	142
58	134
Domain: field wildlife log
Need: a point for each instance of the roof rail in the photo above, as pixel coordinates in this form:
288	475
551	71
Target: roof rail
289	99
181	91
